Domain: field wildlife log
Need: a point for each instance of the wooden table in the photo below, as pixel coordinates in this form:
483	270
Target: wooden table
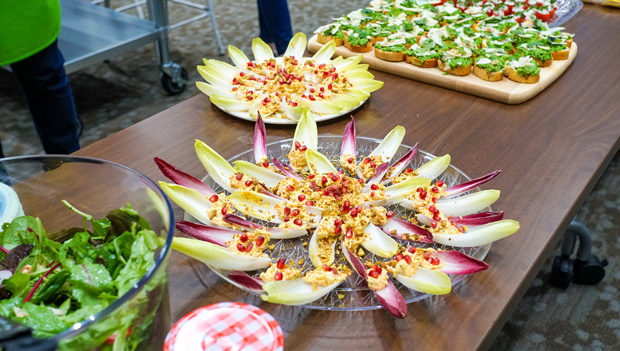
551	151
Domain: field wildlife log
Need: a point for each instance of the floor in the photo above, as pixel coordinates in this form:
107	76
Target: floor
114	95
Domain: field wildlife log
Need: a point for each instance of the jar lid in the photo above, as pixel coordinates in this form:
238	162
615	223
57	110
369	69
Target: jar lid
226	326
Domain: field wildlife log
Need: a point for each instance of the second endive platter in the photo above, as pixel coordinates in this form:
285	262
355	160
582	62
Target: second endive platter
282	88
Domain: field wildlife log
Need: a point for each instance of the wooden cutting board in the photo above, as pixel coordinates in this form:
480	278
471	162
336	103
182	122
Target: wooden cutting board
505	91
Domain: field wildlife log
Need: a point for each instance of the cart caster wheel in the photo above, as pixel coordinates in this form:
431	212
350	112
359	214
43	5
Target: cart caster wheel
174	88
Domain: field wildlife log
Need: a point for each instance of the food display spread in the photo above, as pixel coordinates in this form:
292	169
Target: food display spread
359	216
491	39
282	88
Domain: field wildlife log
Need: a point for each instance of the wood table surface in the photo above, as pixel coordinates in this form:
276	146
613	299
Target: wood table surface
551	150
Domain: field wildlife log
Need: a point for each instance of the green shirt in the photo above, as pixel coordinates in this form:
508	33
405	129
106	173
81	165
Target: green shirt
28	26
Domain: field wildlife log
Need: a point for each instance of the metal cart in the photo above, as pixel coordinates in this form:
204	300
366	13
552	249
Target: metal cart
91	34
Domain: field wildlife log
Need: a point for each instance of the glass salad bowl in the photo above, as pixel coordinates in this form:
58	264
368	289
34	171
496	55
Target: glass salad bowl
353	294
139	317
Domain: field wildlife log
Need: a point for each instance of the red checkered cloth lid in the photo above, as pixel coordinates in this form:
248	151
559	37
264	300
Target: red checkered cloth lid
226	326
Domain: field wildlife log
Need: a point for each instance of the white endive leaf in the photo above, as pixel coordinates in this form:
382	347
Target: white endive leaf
323	107
468	204
294	292
427	281
341	64
262	174
188	199
479	235
379	243
293	113
354	68
215	78
217	256
262	52
238	57
358	75
325	54
218	72
286	233
306	132
358	94
229	104
313	249
297	46
347	104
435	167
218	168
387	148
407	186
320	163
224	67
368	85
209	89
256	205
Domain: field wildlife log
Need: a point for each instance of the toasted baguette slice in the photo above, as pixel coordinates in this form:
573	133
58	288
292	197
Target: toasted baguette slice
514	76
487	75
389	55
561	55
417	62
569	42
458	71
544	63
375	40
359	48
324	39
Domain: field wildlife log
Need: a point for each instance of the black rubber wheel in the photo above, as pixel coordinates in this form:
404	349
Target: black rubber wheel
171	87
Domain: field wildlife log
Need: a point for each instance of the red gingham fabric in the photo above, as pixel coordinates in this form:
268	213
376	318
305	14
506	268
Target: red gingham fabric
226	326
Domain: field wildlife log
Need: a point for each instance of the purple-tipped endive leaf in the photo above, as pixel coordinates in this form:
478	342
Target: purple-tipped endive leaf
428	281
391	299
376	179
479	218
387	148
240	221
294	292
306	132
325	54
468	204
313	248
297	46
435	167
354	262
349	139
218	168
229	104
262	189
188	199
260	140
276	233
262	52
398	227
262	174
287	170
238	57
209	90
181	178
379	243
479	235
244	279
400	165
320	164
217	256
456	262
463	187
214	235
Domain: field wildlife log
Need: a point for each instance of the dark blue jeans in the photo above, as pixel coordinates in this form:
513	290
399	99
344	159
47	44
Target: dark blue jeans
48	94
275	23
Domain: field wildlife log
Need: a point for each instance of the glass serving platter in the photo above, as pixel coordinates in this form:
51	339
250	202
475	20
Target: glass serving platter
566	9
353	294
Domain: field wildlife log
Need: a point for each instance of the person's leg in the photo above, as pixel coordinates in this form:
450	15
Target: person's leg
1	153
265	34
275	17
49	97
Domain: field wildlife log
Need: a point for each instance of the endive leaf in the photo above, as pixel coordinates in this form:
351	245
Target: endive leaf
276	233
294	292
214	235
463	187
392	300
313	251
354	261
354	68
218	168
297	46
287	170
368	85
293	113
188	199
356	93
341	64
209	90
245	280
229	104
387	148
379	243
323	107
479	235
262	174
238	57
358	75
479	218
468	204
256	205
216	72
402	163
427	281
179	177
217	256
306	132
435	167
349	139
398	227
325	53
214	78
456	262
407	186
260	140
319	162
262	52
223	67
347	104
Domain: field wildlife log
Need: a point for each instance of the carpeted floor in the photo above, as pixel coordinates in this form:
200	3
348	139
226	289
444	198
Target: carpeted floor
112	96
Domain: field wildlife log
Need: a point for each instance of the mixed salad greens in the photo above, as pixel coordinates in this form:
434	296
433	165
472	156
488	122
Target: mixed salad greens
51	285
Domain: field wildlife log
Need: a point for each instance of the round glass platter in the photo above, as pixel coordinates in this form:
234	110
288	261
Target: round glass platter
285	120
353	294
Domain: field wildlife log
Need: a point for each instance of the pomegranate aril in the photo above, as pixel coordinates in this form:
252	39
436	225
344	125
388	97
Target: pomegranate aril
303	148
298	222
409	170
240	247
281	263
249	247
324	180
366	160
335	177
419	190
290	188
224	210
214	198
309	203
435	189
248	182
349	233
439	183
301	197
389	214
426	254
423	194
266	164
350	160
377	268
374	187
373	274
334	270
286	219
278	276
337	222
407	259
297	144
326	268
337	230
287	211
436	217
243	237
239	176
260	241
398	257
347	204
434	200
295	212
311	176
434	224
433	209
